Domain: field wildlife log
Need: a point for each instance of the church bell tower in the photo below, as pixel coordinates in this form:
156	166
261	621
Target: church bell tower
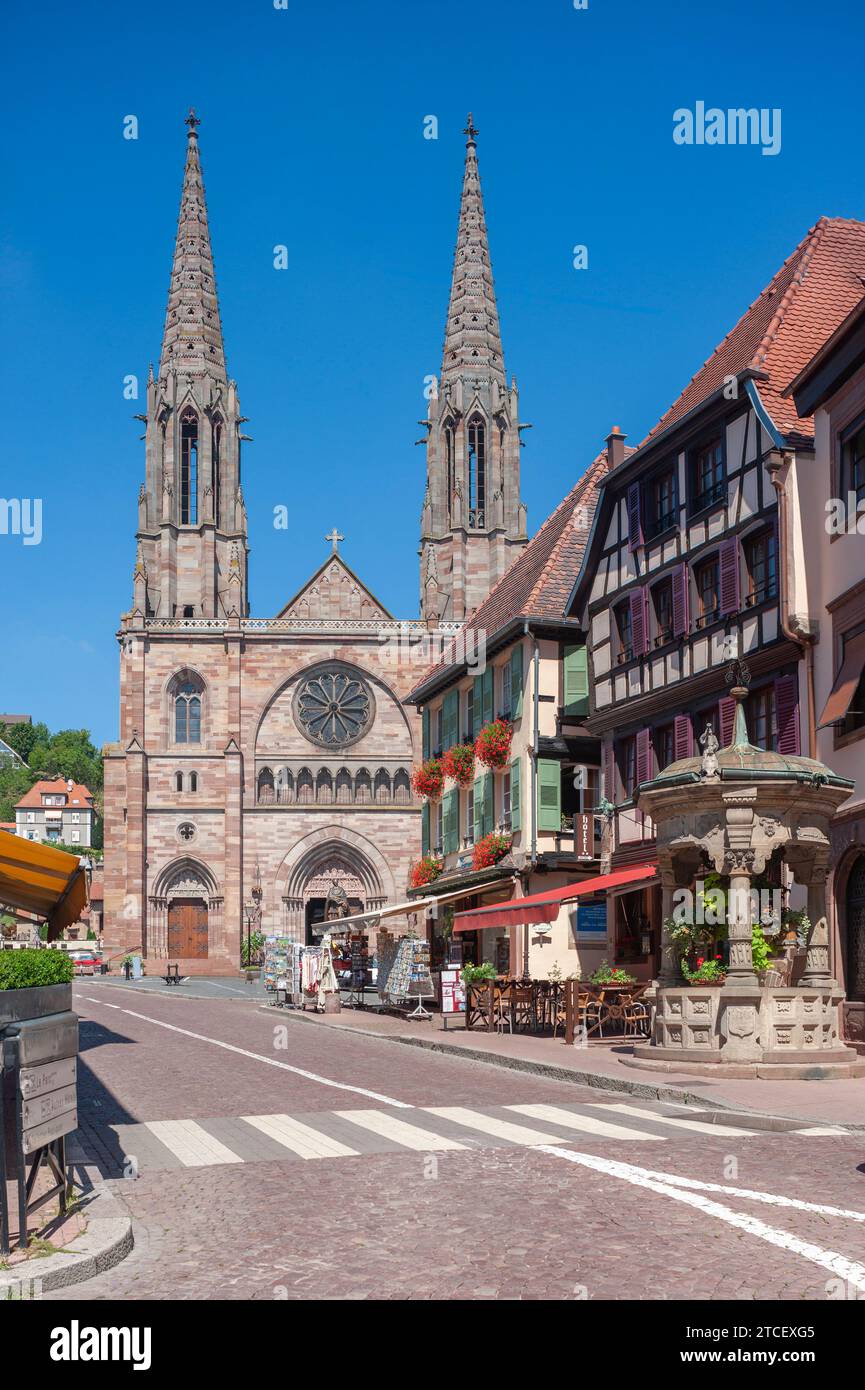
192	546
473	523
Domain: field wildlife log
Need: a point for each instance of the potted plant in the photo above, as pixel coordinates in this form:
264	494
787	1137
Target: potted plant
493	743
491	849
34	983
478	974
428	779
612	975
426	870
459	764
707	972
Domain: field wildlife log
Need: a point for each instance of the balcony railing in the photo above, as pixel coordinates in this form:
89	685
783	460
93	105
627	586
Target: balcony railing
710	496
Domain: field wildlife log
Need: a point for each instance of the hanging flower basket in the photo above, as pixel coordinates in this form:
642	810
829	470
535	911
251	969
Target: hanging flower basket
458	763
425	871
491	849
493	743
428	779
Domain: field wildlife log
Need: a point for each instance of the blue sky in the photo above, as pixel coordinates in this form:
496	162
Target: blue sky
312	136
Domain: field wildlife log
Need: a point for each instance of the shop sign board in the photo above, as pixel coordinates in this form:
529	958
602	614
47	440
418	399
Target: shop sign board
453	994
584	836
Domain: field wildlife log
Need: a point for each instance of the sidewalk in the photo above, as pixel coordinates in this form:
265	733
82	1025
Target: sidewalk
600	1064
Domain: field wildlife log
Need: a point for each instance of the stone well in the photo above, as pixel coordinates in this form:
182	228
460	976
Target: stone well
730	811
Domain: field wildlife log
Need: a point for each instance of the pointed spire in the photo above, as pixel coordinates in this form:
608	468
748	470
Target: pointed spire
473	342
192	341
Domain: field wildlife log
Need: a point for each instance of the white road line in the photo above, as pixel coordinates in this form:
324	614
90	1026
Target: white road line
190	1143
389	1127
502	1129
698	1126
256	1056
837	1264
300	1138
771	1198
588	1123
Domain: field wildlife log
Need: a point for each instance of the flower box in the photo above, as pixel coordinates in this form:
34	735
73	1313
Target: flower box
428	779
458	763
490	850
493	743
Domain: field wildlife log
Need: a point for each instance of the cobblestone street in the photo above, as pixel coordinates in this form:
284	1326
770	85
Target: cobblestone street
278	1160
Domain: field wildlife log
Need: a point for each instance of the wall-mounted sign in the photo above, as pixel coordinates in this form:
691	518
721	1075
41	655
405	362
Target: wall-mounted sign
584	836
591	921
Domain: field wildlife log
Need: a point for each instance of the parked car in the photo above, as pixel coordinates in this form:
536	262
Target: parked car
85	960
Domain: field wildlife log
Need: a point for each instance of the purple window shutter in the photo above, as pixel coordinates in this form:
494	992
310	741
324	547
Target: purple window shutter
635	529
787	713
610	771
683	737
644	752
639	625
726	716
728	565
680	601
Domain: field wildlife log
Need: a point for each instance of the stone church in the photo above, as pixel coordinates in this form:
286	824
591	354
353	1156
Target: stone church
261	760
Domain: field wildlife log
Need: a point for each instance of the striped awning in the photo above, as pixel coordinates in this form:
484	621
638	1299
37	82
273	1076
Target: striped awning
47	882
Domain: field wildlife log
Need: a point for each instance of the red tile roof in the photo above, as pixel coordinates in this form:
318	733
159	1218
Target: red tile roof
76	792
811	294
539	582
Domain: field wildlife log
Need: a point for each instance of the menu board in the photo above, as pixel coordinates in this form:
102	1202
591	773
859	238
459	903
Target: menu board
358	961
453	993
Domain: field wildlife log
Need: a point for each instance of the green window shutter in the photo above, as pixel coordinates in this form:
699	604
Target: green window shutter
517	681
576	681
515	794
450	807
549	794
424	829
488	695
489	803
477	704
478	827
425	725
451	719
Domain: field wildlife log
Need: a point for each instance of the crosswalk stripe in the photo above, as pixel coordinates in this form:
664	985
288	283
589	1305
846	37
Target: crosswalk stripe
488	1124
389	1127
819	1130
698	1126
302	1139
191	1143
554	1115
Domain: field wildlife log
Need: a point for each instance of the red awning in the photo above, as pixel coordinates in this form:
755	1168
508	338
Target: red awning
544	907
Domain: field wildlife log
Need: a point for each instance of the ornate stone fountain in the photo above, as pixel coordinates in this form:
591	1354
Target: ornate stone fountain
732	811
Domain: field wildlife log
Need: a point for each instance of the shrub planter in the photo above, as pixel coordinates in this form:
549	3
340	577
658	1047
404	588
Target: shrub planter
36	1002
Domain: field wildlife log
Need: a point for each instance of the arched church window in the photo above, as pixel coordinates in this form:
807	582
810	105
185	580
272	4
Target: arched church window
193	781
265	786
382	786
477	468
324	787
285	786
187	713
189	468
343	786
216	463
449	459
305	787
363	787
402	788
178	781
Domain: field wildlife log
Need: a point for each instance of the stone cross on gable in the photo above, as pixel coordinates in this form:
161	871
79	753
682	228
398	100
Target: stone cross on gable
335	537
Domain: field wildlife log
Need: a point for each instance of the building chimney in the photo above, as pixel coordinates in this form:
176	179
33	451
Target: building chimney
616	447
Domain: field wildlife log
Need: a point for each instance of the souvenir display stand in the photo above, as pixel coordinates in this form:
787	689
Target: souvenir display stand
408	977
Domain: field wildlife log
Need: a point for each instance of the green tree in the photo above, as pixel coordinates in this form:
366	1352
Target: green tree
22	737
14	782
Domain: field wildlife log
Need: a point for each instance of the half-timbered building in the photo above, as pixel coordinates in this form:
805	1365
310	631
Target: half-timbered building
688	564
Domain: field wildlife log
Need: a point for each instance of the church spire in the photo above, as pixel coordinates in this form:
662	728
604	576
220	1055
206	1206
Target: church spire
473	341
192	341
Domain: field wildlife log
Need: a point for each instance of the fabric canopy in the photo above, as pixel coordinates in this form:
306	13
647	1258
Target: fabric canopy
39	879
846	681
544	907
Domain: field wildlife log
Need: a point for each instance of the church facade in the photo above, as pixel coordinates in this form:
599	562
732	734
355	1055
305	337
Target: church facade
261	761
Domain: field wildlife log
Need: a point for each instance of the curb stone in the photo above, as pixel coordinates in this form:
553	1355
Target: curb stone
618	1084
107	1240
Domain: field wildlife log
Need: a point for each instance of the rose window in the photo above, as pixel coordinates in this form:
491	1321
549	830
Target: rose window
334	708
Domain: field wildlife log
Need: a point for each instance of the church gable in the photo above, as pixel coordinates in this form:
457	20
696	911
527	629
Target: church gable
334	591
